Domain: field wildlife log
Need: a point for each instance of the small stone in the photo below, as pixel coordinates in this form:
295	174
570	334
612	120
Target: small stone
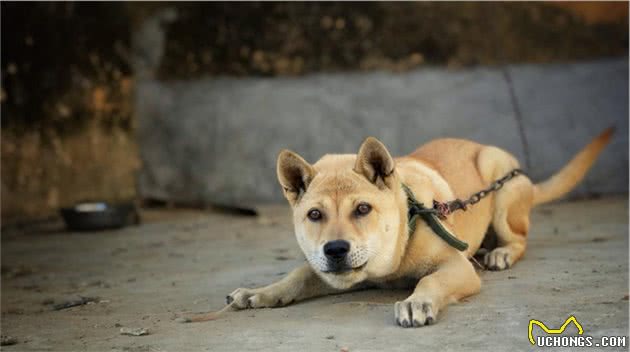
134	332
330	337
283	258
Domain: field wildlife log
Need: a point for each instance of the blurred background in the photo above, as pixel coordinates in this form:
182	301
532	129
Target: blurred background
188	104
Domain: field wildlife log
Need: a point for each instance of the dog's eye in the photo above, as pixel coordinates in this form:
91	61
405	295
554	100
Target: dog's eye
314	215
363	209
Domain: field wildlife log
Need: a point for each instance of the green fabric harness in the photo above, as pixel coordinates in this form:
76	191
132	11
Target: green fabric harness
429	215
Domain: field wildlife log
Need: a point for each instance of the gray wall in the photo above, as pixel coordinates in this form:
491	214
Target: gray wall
216	139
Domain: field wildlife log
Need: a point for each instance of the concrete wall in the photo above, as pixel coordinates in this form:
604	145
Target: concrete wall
216	139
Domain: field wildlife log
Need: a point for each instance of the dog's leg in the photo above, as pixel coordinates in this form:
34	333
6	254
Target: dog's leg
300	284
453	280
511	223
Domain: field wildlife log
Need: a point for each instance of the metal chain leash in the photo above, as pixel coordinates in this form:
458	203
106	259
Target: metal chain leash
442	210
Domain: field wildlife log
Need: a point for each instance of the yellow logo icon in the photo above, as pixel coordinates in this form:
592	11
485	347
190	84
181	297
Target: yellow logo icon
542	325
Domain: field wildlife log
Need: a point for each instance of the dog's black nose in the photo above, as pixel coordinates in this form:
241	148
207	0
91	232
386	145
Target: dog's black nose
337	250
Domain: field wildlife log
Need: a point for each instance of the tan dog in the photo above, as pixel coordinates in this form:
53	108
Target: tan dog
350	215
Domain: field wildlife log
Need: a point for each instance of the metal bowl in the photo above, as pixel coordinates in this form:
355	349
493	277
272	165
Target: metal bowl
92	216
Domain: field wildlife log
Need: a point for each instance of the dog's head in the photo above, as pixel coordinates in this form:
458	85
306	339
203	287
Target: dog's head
348	212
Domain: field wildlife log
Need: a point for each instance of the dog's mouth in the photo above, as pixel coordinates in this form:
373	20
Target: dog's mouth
344	269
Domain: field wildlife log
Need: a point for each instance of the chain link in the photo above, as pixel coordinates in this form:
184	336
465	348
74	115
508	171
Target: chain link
444	209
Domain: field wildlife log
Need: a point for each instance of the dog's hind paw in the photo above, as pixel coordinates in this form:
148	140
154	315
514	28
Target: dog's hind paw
499	259
415	312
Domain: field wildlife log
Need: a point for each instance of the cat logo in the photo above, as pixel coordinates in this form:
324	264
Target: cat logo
570	319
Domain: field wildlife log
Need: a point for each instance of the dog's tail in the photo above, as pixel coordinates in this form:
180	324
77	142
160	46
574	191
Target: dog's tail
573	172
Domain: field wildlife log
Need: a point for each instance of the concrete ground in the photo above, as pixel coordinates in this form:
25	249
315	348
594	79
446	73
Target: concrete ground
146	276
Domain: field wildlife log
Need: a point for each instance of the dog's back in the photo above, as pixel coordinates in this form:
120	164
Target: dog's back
456	161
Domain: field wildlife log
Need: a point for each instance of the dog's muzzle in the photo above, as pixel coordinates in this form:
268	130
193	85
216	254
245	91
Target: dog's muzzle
338	260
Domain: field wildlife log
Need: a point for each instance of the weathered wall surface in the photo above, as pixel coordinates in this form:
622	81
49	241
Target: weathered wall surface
217	139
69	73
67	117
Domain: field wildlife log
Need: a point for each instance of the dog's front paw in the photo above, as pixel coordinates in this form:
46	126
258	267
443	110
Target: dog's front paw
243	298
415	312
499	259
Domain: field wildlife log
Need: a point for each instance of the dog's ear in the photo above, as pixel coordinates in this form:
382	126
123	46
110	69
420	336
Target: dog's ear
375	163
294	175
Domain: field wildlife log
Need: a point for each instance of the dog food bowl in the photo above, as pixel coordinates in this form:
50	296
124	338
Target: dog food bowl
93	216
